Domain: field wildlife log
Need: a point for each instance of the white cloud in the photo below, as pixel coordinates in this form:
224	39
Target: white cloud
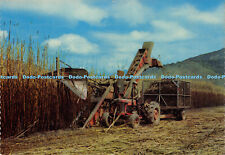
192	14
120	42
75	10
71	43
3	34
168	31
164	31
131	11
124	46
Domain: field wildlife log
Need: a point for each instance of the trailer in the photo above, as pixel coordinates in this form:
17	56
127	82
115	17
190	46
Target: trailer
173	96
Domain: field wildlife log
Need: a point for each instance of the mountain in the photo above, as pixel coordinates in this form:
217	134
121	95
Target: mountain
206	64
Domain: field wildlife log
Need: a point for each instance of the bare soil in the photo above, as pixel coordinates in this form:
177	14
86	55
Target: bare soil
203	132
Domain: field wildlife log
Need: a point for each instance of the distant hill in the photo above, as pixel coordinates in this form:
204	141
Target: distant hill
206	64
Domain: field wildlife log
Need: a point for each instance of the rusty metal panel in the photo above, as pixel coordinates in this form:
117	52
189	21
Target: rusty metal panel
80	88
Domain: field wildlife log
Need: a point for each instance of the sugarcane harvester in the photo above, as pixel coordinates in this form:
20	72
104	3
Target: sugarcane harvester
121	98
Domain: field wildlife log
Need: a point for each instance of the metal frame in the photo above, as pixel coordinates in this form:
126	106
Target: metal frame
159	97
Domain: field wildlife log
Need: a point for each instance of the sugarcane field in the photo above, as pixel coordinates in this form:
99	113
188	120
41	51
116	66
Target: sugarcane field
94	77
201	133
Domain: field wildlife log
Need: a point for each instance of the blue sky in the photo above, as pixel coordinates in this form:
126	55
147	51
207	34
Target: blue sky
105	35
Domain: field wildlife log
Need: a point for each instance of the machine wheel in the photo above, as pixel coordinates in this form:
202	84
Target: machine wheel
106	119
152	112
134	120
181	115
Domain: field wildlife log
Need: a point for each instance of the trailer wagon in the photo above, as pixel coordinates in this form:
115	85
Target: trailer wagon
173	96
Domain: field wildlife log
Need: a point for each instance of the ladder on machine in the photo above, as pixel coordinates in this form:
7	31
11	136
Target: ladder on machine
137	62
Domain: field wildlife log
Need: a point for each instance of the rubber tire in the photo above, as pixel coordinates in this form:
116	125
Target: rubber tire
105	119
181	115
134	120
149	112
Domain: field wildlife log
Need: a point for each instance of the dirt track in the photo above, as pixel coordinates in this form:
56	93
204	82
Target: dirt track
202	133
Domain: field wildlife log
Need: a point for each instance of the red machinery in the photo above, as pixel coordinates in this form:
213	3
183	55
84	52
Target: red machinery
123	100
119	98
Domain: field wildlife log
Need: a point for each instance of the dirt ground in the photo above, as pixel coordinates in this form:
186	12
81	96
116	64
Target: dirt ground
203	132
